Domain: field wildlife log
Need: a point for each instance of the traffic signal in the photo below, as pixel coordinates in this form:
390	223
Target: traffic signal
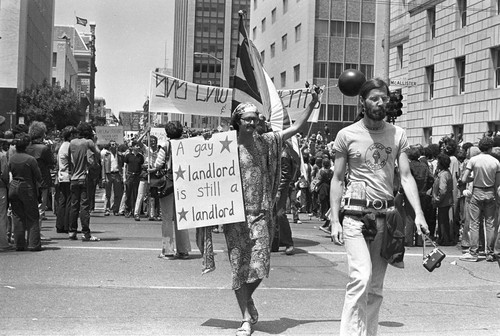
394	106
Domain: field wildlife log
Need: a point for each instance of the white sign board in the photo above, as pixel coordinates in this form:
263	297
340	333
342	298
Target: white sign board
107	133
207	181
160	134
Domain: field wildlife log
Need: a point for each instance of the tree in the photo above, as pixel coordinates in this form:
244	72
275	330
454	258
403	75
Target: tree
57	107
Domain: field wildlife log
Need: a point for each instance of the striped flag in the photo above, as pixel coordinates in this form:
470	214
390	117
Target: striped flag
253	84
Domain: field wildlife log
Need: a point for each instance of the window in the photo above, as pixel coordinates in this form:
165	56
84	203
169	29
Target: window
458	131
335	70
319	70
431	22
54	60
429	73
262	56
352	29
285	6
460	63
462	12
297	32
273	15
367	69
273	50
495	55
498	7
368	30
283	79
263	25
350	112
254	4
351	66
331	113
321	28
337	28
254	32
296	73
283	42
399	63
427	135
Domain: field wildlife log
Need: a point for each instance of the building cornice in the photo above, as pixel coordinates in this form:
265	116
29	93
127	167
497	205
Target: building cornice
418	6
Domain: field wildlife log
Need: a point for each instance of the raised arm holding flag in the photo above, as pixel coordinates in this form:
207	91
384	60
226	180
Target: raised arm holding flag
259	155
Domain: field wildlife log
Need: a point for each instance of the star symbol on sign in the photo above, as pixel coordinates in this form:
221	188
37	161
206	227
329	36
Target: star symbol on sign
225	144
180	173
182	214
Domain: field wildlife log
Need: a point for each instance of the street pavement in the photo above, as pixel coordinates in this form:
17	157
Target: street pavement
118	286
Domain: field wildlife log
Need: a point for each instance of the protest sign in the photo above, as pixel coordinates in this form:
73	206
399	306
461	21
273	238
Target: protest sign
107	133
160	133
173	95
207	181
169	94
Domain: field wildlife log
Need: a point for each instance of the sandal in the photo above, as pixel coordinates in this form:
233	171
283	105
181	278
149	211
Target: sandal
254	314
245	329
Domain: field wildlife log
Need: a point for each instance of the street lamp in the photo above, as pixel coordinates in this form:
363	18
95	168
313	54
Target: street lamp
218	60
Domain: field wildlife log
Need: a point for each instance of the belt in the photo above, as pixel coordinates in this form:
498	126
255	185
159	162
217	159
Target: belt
114	172
375	204
484	187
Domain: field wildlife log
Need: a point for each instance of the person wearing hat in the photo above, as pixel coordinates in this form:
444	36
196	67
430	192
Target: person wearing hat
249	242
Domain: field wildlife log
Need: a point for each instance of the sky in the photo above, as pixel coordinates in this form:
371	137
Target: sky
132	38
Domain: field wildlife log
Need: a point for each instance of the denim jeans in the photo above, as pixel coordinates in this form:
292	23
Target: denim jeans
285	232
173	239
25	215
80	207
115	183
3	218
482	204
367	268
64	207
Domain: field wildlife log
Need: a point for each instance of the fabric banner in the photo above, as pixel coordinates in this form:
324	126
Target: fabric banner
173	95
207	181
189	98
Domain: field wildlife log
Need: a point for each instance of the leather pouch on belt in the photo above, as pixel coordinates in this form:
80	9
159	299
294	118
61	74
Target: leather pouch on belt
369	228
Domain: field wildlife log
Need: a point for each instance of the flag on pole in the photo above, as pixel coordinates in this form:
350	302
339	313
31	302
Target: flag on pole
81	21
253	84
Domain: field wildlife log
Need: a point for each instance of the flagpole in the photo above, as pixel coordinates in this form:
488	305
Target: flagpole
309	132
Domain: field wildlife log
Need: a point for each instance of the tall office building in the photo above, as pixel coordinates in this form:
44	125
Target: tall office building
447	54
316	41
25	49
205	42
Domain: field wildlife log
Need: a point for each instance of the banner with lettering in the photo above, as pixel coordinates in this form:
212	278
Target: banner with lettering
207	181
172	95
107	133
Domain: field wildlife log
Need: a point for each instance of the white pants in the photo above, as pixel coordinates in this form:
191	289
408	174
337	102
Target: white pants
367	269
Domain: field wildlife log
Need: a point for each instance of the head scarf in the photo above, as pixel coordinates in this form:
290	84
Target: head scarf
245	107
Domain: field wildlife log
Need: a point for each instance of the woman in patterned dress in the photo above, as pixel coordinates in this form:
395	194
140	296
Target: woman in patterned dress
249	243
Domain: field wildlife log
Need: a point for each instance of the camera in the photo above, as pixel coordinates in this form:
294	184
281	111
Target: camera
433	259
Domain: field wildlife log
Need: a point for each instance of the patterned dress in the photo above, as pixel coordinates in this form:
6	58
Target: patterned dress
249	242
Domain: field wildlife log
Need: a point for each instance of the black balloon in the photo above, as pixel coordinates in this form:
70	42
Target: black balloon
350	81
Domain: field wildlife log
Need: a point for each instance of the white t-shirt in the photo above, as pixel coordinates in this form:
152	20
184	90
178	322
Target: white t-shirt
371	156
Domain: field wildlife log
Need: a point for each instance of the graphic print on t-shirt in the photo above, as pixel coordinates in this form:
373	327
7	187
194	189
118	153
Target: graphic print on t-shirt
376	156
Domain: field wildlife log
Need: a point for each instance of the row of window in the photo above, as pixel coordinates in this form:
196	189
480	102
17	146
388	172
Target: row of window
461	20
284	38
284	6
332	112
460	73
353	29
321	69
296	76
